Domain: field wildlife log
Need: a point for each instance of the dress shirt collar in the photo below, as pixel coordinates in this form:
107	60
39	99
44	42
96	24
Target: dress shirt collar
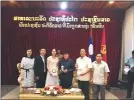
66	59
28	57
83	57
42	56
98	63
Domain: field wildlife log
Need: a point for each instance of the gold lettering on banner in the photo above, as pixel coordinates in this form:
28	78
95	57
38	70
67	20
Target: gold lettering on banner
39	18
63	21
63	18
95	19
15	18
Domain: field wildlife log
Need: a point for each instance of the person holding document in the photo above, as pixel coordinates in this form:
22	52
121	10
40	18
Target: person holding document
130	77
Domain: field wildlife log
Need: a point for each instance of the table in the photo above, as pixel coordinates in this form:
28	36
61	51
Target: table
61	97
39	97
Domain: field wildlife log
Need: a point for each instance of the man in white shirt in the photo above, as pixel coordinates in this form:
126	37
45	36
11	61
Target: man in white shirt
99	76
83	67
130	76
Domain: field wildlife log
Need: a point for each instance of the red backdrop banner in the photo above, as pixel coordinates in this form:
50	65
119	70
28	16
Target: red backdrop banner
15	40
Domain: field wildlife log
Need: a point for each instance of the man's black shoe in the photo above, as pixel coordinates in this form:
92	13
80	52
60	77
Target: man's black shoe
128	96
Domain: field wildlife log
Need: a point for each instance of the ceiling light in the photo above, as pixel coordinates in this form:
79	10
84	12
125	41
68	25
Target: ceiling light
12	0
63	5
111	2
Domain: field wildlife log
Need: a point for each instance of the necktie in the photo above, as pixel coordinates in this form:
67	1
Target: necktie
44	64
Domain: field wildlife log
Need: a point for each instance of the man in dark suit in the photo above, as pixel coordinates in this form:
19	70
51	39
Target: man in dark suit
40	69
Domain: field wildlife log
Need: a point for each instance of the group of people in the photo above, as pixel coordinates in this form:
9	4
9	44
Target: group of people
58	69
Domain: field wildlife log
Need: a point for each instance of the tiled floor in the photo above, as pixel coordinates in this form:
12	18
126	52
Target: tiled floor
121	93
12	92
9	92
6	88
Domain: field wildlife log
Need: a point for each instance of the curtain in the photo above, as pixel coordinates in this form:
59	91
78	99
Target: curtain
16	40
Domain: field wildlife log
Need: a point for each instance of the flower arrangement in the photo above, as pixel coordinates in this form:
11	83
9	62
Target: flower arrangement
53	90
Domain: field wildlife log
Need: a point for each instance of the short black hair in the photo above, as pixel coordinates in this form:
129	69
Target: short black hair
83	49
26	53
66	53
42	48
99	53
133	52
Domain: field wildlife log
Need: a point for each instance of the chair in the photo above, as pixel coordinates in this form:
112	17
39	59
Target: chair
74	81
20	76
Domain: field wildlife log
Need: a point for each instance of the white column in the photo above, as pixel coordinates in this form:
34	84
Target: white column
127	38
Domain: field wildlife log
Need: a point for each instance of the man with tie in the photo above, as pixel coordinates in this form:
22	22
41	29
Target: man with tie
40	69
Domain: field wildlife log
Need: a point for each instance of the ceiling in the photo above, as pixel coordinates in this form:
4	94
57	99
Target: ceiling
121	5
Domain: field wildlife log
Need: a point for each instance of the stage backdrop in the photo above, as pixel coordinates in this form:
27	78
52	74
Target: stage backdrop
15	40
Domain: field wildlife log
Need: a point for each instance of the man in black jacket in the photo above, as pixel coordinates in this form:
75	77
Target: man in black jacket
66	67
40	69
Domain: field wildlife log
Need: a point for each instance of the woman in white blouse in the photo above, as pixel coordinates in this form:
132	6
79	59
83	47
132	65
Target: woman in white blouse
27	64
52	66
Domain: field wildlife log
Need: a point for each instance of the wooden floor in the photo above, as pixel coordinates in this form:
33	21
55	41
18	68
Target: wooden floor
12	92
